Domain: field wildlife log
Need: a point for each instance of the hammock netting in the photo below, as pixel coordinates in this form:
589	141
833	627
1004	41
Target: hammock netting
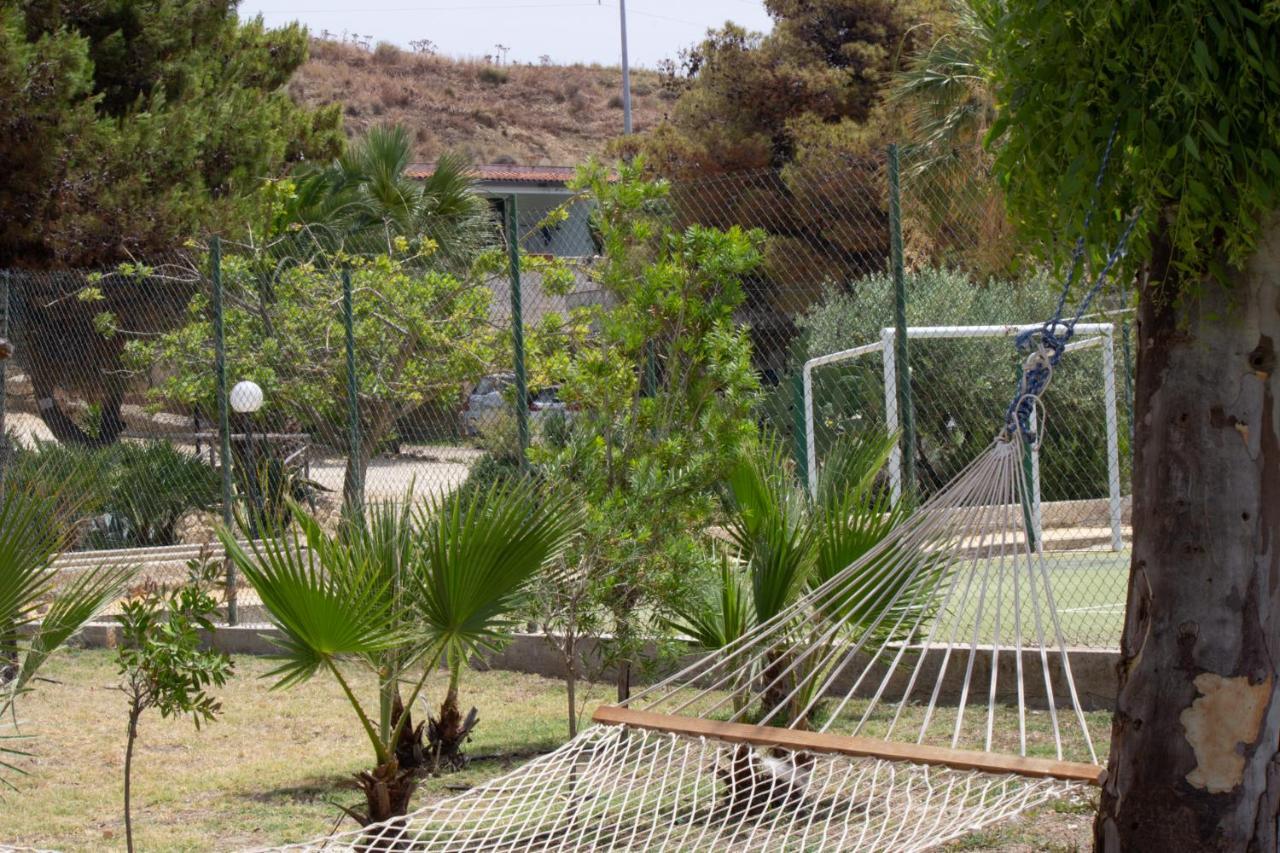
921	693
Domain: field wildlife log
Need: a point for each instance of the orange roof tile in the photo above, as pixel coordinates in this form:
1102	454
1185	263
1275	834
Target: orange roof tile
505	173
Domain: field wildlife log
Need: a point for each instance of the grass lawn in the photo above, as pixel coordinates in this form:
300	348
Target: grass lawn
270	770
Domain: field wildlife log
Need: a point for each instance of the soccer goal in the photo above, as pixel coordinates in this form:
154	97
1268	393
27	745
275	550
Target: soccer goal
1092	335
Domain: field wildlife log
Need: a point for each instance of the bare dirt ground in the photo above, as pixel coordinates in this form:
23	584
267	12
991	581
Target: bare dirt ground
425	470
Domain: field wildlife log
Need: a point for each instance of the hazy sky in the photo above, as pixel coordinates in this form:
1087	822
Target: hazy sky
566	30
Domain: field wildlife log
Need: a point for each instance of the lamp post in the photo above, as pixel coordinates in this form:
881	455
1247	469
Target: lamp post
626	68
246	398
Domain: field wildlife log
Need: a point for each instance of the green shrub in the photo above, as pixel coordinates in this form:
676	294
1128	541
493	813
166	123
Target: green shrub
499	438
151	488
73	477
556	430
492	76
161	659
127	495
276	481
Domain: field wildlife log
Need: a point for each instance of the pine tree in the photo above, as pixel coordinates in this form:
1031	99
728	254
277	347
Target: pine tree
127	127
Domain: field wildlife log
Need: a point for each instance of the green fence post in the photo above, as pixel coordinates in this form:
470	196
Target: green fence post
353	399
1127	351
906	415
517	332
224	417
800	430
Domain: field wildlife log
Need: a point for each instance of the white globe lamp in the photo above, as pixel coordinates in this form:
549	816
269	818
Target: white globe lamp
246	397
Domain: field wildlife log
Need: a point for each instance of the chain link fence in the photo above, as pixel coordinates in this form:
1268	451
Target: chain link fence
389	366
856	281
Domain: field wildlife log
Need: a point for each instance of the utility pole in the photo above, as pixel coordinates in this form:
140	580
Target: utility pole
626	69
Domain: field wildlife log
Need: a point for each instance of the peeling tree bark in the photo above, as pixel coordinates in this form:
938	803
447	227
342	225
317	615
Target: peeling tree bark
1195	752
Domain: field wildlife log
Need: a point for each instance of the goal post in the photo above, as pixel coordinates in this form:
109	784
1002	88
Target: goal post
1093	335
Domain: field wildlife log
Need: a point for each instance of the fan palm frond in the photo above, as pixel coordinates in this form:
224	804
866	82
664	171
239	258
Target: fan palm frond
946	91
768	524
32	534
722	616
73	607
377	164
851	521
28	545
329	602
33	531
480	550
450	191
851	467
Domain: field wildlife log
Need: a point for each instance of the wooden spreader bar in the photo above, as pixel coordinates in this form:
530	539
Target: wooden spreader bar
802	741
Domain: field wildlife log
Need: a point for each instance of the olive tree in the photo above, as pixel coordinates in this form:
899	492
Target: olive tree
664	393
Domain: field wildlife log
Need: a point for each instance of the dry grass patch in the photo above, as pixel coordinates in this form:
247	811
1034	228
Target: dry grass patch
268	772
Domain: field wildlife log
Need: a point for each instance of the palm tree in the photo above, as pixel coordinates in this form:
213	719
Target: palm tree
786	542
950	112
37	617
947	93
367	196
399	591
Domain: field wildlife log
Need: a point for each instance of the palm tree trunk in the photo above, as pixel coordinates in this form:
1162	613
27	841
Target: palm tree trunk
410	752
775	695
450	731
387	790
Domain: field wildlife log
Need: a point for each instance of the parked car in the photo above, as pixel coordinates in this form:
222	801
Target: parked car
492	395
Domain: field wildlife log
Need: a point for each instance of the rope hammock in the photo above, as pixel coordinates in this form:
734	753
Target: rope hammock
825	727
921	693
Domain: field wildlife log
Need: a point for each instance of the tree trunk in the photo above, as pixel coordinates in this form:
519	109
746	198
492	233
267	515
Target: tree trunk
571	680
622	634
387	790
1195	752
67	430
134	713
624	680
446	735
357	469
410	752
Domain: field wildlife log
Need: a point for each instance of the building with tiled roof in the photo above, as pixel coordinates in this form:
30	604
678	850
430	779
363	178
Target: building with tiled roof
503	173
536	190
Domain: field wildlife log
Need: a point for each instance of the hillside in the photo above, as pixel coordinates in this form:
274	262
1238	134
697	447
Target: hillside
532	115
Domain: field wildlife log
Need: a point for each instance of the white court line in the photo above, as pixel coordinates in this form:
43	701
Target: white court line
1096	608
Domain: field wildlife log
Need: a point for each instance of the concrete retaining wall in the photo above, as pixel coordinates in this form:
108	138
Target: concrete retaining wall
1094	670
